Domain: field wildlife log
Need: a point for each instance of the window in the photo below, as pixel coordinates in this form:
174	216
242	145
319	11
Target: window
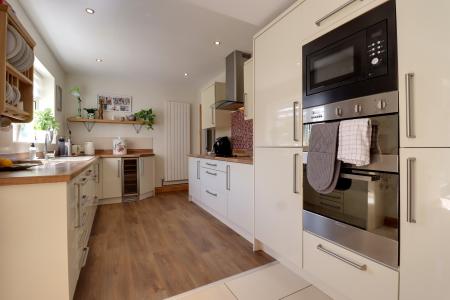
43	97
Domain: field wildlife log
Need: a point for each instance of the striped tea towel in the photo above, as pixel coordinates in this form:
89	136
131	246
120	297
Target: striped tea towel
354	141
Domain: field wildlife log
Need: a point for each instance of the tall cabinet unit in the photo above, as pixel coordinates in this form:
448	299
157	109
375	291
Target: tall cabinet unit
277	131
424	79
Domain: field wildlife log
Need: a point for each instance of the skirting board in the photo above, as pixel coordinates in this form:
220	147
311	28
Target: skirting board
119	199
235	228
184	187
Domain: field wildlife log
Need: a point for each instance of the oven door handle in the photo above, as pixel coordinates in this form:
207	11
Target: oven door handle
367	178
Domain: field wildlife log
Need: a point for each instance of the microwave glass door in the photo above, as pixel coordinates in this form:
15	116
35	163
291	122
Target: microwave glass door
337	65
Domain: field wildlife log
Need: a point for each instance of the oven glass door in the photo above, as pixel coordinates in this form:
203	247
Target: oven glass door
337	65
367	200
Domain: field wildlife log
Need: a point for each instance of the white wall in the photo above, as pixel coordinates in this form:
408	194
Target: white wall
146	94
45	55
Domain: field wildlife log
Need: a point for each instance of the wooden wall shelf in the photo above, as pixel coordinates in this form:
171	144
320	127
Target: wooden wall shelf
90	123
9	74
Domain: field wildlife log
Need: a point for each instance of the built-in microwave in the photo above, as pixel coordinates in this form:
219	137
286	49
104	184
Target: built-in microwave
354	60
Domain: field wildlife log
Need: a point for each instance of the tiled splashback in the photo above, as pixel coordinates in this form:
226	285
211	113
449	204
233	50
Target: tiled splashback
241	132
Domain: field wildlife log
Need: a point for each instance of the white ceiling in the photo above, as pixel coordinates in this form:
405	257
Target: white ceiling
154	39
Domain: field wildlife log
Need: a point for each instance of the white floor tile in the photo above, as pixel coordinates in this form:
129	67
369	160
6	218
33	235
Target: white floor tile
215	292
271	283
310	293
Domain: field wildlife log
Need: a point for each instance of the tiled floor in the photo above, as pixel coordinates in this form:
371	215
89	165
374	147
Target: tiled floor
269	282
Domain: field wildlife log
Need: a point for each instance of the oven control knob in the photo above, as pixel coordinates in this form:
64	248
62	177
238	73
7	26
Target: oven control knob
338	111
381	104
375	61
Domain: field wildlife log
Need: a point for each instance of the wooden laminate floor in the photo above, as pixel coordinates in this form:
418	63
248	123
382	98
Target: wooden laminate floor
160	247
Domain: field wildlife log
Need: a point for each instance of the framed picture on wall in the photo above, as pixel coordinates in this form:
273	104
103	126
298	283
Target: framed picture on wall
58	98
115	103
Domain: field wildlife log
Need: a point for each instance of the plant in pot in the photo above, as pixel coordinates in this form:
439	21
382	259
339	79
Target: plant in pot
45	121
91	112
147	117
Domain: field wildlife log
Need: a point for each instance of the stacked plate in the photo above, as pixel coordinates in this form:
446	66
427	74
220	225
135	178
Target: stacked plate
18	53
12	94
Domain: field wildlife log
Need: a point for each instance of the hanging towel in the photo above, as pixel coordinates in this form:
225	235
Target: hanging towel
354	141
322	167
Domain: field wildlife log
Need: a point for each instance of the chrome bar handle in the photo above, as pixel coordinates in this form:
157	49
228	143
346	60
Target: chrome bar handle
245	104
213	121
212	194
198	169
408	92
333	12
228	185
351	263
294	110
85	255
119	163
77	207
409	190
211	165
210	173
294	184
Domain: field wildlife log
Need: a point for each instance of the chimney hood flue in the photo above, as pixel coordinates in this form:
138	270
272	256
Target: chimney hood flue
234	86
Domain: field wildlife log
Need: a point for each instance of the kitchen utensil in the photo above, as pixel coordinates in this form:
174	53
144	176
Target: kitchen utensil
89	148
19	166
119	147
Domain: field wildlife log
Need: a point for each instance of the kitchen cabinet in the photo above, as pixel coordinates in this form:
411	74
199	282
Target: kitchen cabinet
425	223
278	203
424	75
212	118
146	176
248	90
240	195
214	190
194	179
353	276
112	177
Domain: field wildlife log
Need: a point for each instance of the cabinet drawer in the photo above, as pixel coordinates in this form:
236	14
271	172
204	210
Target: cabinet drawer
348	273
213	179
213	164
215	199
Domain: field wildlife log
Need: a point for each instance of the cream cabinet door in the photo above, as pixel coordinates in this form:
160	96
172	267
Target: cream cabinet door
146	175
278	203
424	239
248	89
278	83
112	177
240	195
424	72
194	179
209	96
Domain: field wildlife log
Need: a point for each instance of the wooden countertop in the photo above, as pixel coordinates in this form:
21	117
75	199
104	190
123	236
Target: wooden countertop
59	170
51	172
237	159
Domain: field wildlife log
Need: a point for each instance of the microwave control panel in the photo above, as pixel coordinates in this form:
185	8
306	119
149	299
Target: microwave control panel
377	50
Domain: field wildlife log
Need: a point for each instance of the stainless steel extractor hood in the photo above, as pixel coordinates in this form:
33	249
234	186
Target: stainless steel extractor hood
234	87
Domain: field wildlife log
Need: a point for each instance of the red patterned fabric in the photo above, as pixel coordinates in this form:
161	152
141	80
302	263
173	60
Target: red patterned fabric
241	132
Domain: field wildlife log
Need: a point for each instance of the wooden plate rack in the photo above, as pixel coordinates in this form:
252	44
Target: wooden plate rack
22	80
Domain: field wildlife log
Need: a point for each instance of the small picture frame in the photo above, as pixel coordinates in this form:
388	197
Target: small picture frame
115	102
58	98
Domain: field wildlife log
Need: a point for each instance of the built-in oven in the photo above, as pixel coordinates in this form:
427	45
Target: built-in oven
362	213
356	59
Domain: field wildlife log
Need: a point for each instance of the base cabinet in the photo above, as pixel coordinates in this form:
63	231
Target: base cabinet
349	274
425	223
146	175
225	190
112	177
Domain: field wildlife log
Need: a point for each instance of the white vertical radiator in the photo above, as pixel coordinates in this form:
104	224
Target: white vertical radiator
178	141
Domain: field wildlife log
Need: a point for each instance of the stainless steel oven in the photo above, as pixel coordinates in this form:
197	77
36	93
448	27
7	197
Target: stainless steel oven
362	213
356	59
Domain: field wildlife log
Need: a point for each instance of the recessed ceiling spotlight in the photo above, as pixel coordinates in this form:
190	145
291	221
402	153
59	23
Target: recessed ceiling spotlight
90	11
186	74
217	43
99	60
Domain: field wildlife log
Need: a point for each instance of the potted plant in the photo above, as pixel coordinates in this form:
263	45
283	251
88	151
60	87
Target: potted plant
75	91
91	112
45	121
147	116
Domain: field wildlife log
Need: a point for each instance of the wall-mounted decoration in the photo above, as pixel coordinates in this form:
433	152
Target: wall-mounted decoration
58	98
115	103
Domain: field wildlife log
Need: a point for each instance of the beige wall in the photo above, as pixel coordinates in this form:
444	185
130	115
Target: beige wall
146	94
45	55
